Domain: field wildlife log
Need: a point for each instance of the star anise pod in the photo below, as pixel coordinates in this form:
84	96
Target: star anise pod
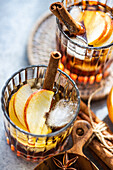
66	164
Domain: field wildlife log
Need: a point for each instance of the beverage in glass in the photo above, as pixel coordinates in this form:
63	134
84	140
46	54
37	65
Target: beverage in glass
36	147
87	57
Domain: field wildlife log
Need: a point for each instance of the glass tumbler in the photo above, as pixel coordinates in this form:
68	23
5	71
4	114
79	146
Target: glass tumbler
85	64
31	146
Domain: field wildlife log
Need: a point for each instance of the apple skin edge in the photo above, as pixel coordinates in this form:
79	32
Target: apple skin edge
37	102
19	101
107	41
39	99
25	109
99	28
93	21
109	30
12	114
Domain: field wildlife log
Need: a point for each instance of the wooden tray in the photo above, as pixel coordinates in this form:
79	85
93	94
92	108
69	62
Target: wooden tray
42	39
42	42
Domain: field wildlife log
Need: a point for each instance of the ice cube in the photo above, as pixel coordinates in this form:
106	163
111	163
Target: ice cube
76	13
75	50
61	114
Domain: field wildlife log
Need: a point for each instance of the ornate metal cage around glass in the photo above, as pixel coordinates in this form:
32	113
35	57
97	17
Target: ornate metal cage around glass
30	146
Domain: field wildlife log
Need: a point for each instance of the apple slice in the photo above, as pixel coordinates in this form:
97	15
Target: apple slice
19	102
12	114
108	40
37	105
110	104
88	16
95	25
109	28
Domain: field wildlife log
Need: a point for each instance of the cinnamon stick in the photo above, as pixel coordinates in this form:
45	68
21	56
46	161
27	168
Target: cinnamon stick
100	151
99	161
104	154
64	16
84	109
51	70
84	116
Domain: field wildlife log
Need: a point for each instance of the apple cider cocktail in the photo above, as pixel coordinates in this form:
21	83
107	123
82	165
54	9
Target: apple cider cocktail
38	121
87	57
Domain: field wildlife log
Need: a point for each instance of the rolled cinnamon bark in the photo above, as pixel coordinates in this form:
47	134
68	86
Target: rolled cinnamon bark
51	70
86	117
64	16
84	109
104	154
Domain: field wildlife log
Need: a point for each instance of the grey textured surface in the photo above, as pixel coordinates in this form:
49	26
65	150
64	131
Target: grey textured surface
17	19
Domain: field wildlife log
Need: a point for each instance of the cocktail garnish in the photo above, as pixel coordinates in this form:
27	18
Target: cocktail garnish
66	164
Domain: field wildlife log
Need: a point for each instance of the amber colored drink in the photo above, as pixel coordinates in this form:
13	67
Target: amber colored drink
85	61
35	147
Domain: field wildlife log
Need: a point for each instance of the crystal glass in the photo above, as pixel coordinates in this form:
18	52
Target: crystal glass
85	64
30	146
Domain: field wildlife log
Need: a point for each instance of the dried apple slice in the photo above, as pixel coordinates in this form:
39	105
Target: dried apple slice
95	25
110	104
35	109
19	102
12	114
